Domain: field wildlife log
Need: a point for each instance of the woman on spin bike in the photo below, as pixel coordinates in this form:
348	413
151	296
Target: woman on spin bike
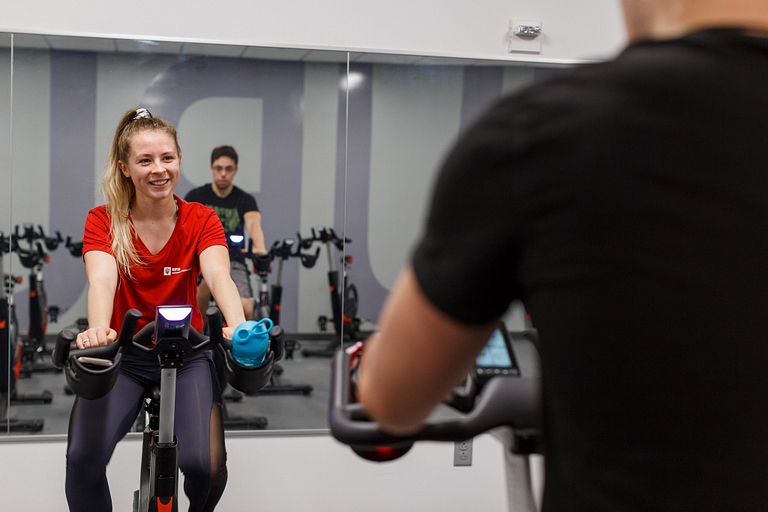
145	248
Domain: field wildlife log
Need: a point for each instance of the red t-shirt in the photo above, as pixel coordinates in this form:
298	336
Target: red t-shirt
168	278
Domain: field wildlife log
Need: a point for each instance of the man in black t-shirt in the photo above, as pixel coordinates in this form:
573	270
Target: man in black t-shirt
626	204
238	213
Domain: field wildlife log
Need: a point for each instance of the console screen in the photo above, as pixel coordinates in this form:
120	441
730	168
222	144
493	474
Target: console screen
495	354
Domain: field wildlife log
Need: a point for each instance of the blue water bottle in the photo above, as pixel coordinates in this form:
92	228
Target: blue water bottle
250	341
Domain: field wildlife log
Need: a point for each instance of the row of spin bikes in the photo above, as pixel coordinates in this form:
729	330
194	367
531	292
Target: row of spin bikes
21	356
344	298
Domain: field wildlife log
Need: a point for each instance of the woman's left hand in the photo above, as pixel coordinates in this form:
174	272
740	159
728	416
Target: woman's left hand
228	332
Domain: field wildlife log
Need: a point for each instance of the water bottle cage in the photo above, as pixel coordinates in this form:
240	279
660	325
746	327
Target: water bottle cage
248	379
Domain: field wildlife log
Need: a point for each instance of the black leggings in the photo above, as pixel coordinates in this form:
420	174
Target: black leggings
96	426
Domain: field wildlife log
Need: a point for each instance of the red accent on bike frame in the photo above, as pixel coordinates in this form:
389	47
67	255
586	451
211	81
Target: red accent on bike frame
2	324
164	507
332	288
277	307
33	294
355	349
17	366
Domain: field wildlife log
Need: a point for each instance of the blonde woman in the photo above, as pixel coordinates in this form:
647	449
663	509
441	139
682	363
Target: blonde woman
145	248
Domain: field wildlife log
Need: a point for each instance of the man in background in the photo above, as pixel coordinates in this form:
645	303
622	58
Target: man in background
238	213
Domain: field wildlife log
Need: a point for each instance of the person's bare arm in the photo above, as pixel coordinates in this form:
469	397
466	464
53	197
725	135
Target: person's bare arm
253	226
214	265
416	358
101	270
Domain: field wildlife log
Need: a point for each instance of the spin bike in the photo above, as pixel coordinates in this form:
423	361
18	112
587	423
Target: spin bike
40	313
9	347
92	372
344	302
270	300
493	395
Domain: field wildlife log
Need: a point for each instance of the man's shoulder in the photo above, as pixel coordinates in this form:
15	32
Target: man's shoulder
245	200
199	192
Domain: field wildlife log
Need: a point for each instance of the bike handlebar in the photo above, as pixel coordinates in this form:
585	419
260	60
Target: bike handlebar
51	242
504	401
91	372
5	243
281	249
88	381
328	235
31	257
75	248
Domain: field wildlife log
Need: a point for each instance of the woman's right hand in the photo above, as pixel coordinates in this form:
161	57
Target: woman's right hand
96	336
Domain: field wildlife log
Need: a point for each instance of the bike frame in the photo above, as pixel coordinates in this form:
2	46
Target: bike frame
92	372
159	487
34	259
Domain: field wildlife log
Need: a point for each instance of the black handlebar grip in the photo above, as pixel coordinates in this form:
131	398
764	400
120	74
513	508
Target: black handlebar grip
61	350
215	326
262	262
309	260
128	327
277	336
75	248
304	243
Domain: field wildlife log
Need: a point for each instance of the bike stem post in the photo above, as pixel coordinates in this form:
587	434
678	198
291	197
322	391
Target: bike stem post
167	405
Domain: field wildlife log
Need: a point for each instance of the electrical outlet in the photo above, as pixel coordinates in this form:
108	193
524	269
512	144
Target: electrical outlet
462	453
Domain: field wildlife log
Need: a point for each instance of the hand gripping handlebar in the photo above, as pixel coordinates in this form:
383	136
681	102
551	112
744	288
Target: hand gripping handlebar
91	372
504	401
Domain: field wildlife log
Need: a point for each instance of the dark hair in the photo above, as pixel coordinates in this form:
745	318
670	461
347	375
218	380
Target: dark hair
223	151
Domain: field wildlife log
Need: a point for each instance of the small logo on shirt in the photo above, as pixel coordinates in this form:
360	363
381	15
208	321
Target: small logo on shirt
170	271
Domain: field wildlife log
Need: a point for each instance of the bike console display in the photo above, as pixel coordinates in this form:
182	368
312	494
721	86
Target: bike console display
497	358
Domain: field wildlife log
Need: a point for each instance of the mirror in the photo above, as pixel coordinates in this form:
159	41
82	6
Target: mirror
282	110
338	140
5	221
404	117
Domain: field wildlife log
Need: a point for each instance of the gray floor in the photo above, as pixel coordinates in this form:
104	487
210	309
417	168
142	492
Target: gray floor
282	412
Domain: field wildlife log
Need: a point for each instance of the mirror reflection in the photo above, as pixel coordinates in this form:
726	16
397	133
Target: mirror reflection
300	149
5	222
282	112
403	118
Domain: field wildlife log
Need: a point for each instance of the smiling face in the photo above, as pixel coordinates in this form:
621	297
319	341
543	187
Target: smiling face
152	165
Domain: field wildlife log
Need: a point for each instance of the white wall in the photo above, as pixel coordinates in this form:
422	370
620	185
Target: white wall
479	29
305	472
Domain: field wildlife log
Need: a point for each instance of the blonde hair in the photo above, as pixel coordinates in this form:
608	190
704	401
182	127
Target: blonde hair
119	191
